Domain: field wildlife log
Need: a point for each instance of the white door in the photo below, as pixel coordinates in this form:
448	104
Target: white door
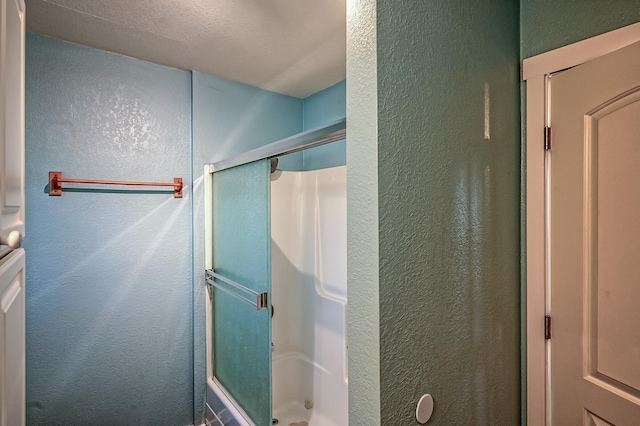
594	242
12	356
12	25
12	297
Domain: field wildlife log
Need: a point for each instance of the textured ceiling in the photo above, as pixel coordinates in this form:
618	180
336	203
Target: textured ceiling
295	47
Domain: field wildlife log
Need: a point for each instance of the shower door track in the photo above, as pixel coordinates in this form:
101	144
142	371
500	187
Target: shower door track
333	132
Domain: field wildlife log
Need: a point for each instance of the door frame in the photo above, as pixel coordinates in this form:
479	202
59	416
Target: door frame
535	72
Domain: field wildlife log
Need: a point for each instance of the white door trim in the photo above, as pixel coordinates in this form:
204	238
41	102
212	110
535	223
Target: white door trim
535	71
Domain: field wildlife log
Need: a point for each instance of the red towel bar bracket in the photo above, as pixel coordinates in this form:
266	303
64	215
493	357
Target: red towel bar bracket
56	180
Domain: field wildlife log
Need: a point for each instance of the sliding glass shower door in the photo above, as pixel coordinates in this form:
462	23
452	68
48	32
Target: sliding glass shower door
241	286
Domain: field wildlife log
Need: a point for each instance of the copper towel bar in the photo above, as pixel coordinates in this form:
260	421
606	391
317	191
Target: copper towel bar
56	180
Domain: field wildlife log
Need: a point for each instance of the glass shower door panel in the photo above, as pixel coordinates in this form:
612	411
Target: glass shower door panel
242	253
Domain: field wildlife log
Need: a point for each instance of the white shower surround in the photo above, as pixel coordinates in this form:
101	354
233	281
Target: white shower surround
309	294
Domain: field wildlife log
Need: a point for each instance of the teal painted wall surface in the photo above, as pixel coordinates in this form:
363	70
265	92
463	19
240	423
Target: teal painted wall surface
449	205
228	118
320	109
108	294
325	106
549	24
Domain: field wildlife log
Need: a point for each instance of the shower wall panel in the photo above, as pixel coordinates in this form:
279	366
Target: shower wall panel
309	285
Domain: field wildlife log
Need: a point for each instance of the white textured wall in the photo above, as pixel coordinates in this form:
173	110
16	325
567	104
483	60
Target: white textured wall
362	214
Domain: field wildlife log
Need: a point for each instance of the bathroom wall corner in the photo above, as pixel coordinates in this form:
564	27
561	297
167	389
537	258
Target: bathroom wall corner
362	214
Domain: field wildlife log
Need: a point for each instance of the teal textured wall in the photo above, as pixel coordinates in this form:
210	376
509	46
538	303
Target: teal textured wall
449	160
319	109
448	203
108	314
325	106
549	24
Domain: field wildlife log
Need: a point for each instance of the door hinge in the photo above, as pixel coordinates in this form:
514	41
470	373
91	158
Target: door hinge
547	327
547	138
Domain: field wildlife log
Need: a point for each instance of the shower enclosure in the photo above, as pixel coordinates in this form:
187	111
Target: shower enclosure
276	276
309	289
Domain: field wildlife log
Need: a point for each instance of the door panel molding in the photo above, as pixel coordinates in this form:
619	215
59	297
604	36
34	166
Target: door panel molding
591	419
535	72
12	339
12	123
601	368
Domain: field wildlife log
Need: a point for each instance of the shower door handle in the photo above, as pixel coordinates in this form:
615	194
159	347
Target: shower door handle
12	239
250	297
